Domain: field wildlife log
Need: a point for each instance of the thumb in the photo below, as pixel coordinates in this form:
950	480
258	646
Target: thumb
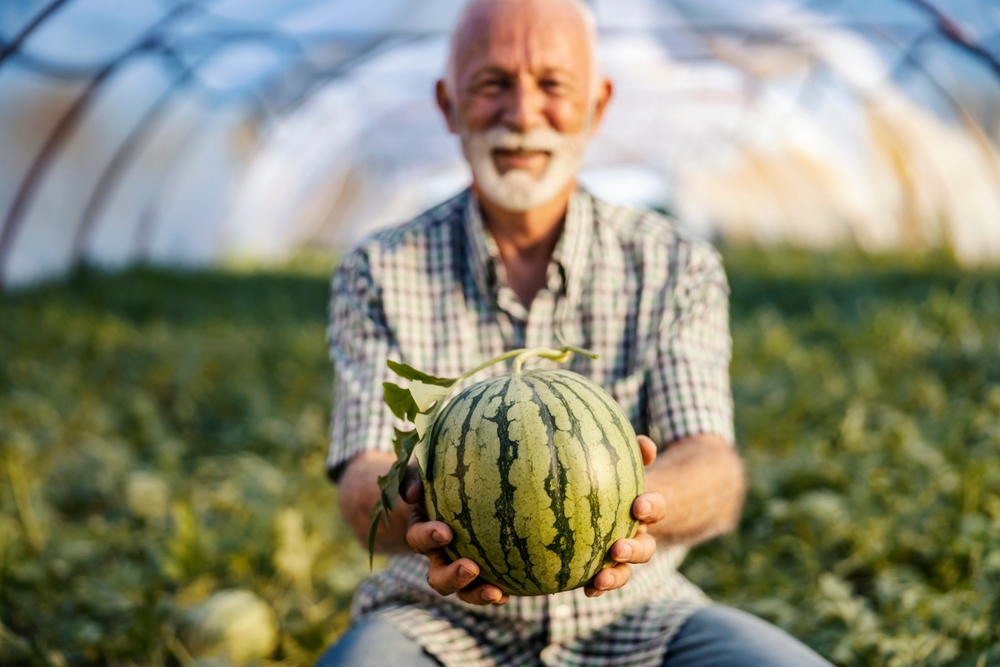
648	449
412	488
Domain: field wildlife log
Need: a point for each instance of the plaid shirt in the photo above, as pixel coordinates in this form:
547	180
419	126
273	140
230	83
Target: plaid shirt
623	283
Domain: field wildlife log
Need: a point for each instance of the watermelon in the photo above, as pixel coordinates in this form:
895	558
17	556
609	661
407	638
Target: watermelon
535	473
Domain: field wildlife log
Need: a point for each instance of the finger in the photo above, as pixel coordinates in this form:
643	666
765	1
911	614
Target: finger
648	449
608	579
649	507
428	536
412	488
447	577
639	549
483	594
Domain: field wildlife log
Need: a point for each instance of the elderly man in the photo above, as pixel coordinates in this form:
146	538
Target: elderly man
521	254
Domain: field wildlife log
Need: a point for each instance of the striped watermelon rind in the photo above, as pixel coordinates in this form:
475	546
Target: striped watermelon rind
536	474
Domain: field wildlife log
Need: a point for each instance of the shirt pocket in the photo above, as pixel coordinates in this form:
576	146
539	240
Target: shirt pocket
630	393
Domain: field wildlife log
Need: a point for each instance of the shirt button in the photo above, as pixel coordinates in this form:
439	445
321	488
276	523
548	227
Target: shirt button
562	612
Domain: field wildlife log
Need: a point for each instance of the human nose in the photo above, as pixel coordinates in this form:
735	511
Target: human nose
525	111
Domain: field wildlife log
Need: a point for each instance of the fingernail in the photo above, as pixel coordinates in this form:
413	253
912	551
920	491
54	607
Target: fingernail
438	536
491	595
643	508
624	552
465	573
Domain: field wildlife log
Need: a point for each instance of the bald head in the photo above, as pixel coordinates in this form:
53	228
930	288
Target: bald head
479	16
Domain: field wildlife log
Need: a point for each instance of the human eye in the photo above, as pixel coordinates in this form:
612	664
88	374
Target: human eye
553	85
492	85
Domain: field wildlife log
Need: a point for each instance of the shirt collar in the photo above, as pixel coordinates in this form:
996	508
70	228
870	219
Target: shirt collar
568	261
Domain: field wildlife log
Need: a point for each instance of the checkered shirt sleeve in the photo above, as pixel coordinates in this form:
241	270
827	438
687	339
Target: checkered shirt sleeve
689	379
360	341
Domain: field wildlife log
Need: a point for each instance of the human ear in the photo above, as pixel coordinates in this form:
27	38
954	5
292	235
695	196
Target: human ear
605	89
445	105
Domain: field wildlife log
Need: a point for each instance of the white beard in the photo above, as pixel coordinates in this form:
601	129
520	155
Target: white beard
517	190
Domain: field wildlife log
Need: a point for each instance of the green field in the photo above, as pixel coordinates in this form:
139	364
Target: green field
162	438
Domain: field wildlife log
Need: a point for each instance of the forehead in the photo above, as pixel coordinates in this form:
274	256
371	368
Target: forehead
535	35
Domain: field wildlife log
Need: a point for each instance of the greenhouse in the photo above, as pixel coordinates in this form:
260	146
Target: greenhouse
189	133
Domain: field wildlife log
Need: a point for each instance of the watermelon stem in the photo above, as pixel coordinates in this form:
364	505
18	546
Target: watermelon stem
520	356
558	356
495	360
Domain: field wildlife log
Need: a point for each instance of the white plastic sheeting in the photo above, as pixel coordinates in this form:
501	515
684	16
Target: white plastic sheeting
185	132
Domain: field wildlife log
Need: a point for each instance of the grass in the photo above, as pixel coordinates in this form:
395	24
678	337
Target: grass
162	438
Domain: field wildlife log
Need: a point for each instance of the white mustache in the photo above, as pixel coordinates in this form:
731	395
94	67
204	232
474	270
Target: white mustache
540	139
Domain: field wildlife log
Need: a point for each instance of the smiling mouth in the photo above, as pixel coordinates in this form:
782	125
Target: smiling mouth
521	159
519	152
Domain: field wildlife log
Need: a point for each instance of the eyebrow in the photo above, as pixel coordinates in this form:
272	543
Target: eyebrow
492	70
557	70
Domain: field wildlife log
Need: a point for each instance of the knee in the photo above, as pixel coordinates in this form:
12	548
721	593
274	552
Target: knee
370	641
736	638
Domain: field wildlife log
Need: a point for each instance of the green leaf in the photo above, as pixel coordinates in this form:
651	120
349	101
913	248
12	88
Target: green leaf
410	373
426	395
400	401
423	422
420	403
403	444
375	513
390	490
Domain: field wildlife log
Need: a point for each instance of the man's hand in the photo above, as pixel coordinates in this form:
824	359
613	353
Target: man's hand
428	538
647	509
702	476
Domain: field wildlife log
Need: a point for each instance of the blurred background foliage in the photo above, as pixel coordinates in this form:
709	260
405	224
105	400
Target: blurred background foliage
163	498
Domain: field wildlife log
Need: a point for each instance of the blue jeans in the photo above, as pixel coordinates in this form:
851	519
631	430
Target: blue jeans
716	636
